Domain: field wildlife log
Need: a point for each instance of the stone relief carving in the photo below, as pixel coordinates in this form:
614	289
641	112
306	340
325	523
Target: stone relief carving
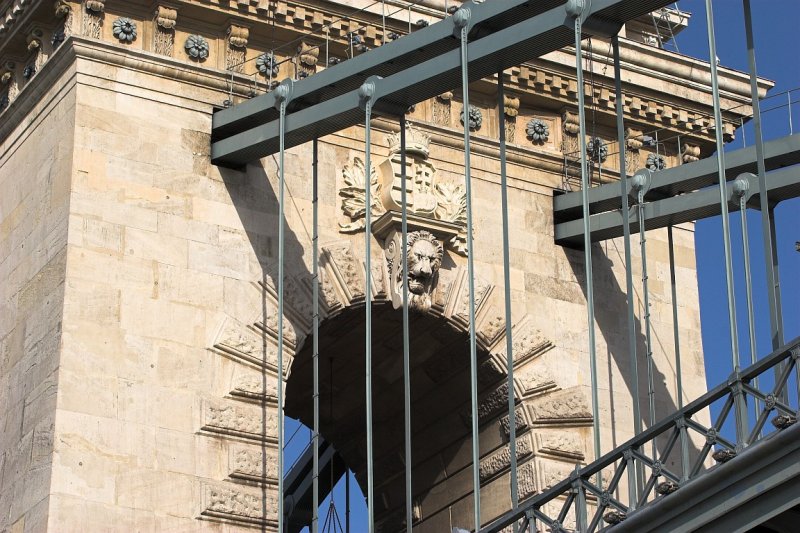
267	65
634	140
690	153
474	117
442	109
235	52
511	110
93	17
355	196
425	197
424	258
62	11
124	29
537	131
196	47
307	57
242	421
239	505
656	162
248	463
566	406
571	127
164	35
501	459
597	151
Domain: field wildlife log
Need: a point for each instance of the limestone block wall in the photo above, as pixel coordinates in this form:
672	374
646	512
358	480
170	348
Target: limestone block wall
165	415
35	172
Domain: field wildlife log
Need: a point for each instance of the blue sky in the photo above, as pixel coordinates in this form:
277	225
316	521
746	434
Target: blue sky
775	28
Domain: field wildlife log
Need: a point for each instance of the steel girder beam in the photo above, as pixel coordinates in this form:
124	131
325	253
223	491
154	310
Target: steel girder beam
412	69
684	178
781	185
759	483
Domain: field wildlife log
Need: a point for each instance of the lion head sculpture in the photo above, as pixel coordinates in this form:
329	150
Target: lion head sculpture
424	259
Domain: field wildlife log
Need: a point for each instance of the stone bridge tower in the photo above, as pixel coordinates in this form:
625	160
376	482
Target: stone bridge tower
138	336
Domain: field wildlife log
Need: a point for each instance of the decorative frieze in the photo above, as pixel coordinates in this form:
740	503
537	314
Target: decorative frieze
250	346
500	460
566	407
242	421
236	51
526	480
247	463
534	379
165	19
240	504
564	444
528	342
346	273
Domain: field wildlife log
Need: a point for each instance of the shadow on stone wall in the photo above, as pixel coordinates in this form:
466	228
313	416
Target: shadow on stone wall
611	315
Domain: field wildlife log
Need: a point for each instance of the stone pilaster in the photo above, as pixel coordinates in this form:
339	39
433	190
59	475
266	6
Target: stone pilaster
164	30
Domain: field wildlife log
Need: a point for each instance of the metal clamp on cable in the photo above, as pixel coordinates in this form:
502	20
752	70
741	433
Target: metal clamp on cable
283	93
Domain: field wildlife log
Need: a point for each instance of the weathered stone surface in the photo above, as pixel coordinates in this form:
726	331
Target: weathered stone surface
559	443
566	406
239	504
501	459
248	462
245	421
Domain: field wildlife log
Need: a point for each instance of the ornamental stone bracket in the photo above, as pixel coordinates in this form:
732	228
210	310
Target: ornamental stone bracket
426	198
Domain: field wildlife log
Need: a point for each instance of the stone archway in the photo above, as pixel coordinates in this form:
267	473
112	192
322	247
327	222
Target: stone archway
553	424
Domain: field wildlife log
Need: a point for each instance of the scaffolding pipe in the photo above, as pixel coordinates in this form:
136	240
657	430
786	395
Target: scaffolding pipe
676	336
575	8
773	287
315	329
366	93
281	95
512	422
626	226
406	353
723	195
461	19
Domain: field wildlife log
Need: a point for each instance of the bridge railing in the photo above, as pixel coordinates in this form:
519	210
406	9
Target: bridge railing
595	496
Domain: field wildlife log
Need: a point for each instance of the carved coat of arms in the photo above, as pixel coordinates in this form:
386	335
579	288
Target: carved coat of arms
436	213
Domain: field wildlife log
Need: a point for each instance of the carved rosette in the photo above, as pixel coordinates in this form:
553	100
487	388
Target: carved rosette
442	109
196	47
472	116
537	131
511	110
93	18
165	19
236	51
656	162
